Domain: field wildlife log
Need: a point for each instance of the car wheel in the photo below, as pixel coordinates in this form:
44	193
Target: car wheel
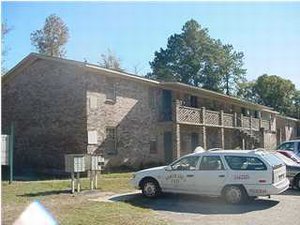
234	194
150	188
297	182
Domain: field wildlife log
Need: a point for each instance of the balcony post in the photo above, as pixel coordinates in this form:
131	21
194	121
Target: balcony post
203	115
203	129
176	112
203	136
250	123
177	152
222	128
242	121
235	119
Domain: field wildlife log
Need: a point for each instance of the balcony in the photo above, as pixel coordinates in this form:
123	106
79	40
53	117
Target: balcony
202	116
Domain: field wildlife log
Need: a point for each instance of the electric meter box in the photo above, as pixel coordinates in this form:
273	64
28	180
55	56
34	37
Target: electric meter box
75	163
5	150
96	162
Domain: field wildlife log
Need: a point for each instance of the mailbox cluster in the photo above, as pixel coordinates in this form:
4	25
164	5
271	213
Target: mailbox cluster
77	163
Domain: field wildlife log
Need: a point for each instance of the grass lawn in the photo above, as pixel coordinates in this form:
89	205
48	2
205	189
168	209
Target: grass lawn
78	208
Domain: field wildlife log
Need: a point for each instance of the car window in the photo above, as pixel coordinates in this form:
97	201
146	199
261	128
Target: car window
245	163
287	146
211	163
286	160
298	146
187	163
273	160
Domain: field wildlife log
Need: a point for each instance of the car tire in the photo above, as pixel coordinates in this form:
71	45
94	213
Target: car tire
151	188
297	182
234	194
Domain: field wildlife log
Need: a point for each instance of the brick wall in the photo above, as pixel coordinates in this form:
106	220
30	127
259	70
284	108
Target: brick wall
47	103
134	115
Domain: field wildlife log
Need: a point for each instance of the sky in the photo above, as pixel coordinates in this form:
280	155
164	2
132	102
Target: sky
267	33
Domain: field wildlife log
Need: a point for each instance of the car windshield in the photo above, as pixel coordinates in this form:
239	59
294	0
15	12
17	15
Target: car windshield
286	160
272	159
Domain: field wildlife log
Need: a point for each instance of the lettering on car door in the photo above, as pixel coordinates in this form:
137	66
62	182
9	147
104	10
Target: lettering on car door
181	176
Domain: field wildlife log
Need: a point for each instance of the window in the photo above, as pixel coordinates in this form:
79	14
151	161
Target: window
187	163
151	98
110	92
93	102
92	137
194	141
153	147
194	102
111	139
245	163
289	146
211	163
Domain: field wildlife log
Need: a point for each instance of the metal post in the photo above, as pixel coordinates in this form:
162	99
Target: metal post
96	179
78	182
11	152
91	179
72	182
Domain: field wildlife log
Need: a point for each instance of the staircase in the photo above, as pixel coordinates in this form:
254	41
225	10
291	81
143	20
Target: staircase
250	135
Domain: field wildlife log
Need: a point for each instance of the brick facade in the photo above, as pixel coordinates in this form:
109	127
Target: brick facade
61	106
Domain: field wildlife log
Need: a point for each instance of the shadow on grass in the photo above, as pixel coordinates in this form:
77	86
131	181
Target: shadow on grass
45	193
194	204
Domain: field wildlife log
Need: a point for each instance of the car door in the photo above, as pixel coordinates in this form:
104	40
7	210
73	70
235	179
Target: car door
180	176
211	175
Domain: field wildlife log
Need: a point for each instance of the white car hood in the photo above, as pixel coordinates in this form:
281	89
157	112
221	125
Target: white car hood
154	169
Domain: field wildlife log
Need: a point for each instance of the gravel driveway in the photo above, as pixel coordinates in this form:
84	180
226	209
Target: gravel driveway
186	209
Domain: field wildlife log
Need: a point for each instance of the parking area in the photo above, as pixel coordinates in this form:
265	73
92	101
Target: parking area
189	209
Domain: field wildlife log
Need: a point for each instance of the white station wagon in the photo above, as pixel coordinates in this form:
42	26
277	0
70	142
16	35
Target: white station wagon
235	175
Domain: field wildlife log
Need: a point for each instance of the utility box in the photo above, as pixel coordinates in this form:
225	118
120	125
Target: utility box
4	150
95	162
75	163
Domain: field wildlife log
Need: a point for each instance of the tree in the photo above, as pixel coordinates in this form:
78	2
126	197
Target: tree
275	92
4	31
246	91
194	58
295	112
232	69
111	61
51	39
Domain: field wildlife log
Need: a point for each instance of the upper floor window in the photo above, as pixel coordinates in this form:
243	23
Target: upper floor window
93	102
191	101
151	98
92	137
194	101
111	92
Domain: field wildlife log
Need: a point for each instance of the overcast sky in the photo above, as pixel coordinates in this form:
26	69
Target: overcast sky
267	33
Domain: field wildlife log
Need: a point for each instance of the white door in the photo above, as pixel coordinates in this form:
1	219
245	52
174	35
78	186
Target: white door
181	175
211	175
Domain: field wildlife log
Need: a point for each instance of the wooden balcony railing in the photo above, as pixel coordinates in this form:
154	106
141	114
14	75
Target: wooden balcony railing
196	116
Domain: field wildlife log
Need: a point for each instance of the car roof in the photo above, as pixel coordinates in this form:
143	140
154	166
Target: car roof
296	140
231	152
